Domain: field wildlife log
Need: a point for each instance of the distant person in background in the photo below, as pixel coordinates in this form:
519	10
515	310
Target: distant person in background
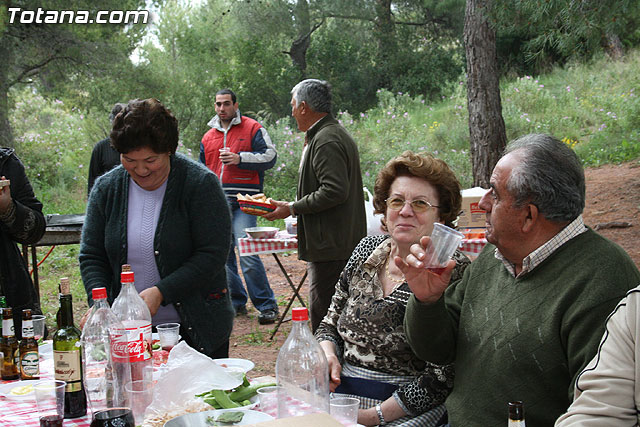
104	157
330	197
238	149
167	217
362	335
21	221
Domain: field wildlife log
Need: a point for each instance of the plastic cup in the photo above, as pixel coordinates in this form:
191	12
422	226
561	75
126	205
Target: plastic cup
444	242
50	401
169	335
345	410
268	400
140	396
38	326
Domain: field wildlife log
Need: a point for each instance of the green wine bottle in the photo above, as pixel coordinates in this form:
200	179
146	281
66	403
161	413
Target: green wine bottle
67	356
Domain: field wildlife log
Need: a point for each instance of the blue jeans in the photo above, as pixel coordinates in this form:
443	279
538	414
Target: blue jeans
253	271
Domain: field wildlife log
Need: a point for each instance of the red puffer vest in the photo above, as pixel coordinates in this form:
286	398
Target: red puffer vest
238	138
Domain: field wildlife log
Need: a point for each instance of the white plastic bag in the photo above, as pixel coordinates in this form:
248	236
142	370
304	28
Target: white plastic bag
373	220
187	373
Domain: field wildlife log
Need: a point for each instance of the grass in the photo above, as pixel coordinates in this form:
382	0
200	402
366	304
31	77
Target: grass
593	107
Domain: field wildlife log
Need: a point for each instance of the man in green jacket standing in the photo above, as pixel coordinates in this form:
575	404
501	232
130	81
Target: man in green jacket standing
330	199
528	314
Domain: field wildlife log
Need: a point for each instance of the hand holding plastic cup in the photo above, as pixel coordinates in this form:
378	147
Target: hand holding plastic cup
140	396
345	410
169	335
268	400
50	401
444	242
38	326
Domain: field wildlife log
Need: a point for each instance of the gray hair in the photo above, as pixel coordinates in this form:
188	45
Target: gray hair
119	106
549	175
316	93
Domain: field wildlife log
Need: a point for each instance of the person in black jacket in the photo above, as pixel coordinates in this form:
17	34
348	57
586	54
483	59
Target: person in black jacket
21	221
103	157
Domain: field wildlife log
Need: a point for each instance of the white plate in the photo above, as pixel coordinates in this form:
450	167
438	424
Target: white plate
244	364
199	419
5	390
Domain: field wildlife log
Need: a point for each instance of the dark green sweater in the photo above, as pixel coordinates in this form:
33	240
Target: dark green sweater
191	245
521	339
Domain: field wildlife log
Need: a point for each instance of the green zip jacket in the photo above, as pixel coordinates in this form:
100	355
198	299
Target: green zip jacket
191	245
330	201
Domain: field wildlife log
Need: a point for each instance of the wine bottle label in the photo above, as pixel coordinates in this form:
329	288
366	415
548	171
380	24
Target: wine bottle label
67	366
139	343
27	328
7	328
30	364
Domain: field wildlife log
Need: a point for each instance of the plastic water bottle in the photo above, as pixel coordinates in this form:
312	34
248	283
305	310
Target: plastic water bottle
106	360
136	319
302	371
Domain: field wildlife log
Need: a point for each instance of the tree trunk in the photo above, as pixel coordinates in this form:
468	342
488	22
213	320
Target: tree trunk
487	133
6	135
386	41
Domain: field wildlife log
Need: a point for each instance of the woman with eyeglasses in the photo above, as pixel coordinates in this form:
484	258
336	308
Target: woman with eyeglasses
362	334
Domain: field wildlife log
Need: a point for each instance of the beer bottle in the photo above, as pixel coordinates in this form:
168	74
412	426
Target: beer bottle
3	304
29	357
67	356
516	414
9	347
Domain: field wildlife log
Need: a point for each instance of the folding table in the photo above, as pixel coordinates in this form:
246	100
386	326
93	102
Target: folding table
282	242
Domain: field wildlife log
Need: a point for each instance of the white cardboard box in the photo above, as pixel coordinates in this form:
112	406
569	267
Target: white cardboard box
471	216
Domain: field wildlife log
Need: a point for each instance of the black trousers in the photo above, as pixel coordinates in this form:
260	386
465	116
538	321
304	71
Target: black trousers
323	277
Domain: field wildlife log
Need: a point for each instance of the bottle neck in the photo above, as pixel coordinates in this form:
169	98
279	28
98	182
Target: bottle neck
66	311
99	303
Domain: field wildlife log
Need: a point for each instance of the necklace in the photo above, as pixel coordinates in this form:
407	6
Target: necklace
393	280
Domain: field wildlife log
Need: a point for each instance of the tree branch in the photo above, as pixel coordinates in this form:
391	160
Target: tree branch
34	69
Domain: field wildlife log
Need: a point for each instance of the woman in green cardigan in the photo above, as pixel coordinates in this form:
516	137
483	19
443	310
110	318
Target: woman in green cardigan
167	217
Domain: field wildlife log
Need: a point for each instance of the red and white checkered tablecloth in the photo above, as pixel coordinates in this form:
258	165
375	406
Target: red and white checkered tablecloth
283	242
472	246
23	412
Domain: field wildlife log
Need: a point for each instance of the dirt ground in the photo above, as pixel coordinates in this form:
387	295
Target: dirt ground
613	198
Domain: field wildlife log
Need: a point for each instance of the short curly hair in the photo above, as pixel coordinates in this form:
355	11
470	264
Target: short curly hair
145	123
422	165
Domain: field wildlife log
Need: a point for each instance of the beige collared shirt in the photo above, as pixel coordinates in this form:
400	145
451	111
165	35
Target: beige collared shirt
535	258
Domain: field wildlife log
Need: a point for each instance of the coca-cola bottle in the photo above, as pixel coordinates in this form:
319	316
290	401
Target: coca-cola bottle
135	316
106	359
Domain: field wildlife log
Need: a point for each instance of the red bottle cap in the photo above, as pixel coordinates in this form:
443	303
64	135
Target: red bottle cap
126	276
99	293
299	313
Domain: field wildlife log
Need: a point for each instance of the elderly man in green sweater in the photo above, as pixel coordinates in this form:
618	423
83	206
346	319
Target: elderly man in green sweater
529	312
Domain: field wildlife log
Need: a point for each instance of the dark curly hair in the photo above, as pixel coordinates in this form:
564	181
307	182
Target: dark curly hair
435	171
145	123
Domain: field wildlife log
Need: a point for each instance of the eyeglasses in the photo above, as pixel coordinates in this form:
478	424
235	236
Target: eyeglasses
418	205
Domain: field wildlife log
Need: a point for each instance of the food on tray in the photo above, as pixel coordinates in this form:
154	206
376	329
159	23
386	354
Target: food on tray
230	417
226	399
261	198
257	204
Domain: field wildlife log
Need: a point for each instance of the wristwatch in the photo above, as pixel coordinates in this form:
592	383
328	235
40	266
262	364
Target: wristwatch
291	209
380	416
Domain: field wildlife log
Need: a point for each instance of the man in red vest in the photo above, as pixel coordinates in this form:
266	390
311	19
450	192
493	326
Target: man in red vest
238	150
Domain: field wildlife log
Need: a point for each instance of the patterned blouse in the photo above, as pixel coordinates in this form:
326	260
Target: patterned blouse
368	331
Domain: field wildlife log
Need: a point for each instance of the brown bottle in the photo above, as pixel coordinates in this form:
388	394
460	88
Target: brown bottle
29	357
9	347
516	414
